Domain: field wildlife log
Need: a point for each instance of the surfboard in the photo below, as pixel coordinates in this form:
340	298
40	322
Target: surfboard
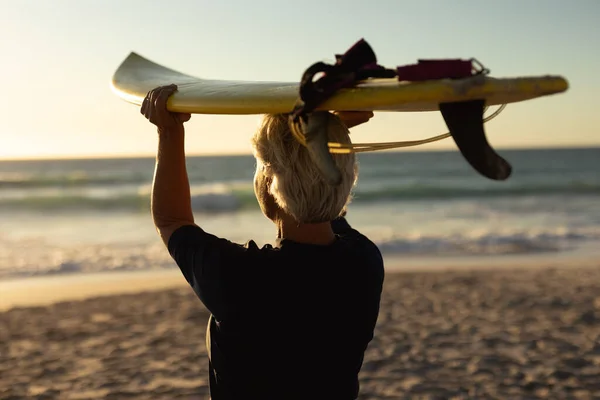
137	75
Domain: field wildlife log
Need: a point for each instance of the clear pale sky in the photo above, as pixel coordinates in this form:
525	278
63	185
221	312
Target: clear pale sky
58	57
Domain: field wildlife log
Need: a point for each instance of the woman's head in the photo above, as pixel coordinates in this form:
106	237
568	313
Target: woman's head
287	179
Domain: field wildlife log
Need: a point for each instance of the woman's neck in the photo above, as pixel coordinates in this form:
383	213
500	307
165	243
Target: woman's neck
318	233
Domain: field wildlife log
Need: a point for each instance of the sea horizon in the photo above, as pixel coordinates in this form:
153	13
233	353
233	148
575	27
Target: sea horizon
416	149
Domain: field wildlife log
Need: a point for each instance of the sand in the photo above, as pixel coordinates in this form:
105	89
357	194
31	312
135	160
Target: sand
508	334
52	289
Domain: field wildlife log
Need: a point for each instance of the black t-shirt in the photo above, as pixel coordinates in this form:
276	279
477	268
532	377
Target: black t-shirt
288	322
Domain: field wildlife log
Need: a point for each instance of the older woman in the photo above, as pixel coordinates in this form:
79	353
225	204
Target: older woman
290	321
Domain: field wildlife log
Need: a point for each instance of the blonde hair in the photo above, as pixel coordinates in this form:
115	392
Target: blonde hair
295	181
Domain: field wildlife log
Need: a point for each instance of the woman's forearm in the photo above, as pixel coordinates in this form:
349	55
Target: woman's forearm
171	201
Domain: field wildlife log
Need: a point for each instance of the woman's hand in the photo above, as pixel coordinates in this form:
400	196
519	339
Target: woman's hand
154	108
354	118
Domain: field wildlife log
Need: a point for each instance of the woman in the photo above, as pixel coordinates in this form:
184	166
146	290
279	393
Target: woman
290	321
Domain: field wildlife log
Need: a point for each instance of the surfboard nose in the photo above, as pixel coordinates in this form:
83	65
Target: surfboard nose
465	122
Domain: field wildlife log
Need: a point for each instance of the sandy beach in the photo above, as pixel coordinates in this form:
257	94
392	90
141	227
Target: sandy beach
507	334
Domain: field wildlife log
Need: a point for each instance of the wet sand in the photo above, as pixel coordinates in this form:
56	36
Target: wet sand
508	334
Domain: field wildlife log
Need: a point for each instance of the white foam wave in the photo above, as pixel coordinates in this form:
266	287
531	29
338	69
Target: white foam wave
35	257
219	197
31	257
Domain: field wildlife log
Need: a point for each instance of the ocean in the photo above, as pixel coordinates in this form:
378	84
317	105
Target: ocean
92	215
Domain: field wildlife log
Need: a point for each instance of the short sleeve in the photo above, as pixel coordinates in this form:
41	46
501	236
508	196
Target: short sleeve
207	263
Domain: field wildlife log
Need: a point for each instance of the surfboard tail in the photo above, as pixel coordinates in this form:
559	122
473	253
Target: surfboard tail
464	119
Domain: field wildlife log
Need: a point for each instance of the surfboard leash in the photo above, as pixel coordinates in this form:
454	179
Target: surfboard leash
464	119
359	63
341	148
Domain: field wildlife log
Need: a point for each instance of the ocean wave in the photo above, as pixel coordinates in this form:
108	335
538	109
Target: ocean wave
217	199
235	196
69	179
489	243
34	257
419	191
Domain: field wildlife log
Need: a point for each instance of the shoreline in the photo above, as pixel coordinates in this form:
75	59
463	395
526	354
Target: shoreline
48	289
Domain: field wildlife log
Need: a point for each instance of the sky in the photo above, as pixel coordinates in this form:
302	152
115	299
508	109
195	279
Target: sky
58	57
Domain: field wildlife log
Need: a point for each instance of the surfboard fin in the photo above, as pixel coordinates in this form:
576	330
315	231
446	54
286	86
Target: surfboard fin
315	132
465	122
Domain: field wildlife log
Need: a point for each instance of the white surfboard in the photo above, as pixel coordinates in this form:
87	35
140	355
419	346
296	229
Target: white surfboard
136	76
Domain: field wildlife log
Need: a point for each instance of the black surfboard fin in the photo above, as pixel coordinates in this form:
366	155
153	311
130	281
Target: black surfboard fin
465	122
